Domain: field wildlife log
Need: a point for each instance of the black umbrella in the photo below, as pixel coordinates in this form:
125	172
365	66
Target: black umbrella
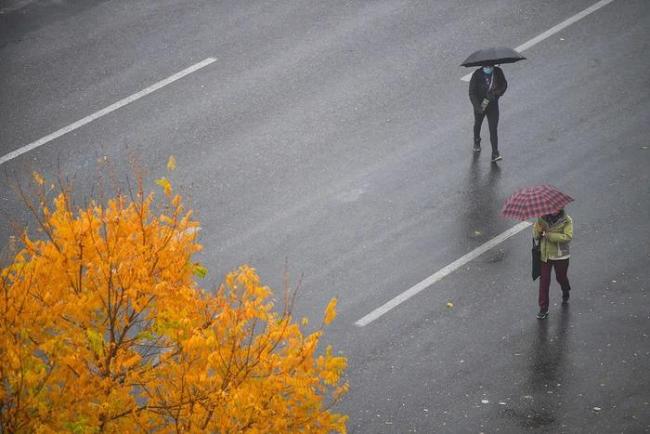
492	56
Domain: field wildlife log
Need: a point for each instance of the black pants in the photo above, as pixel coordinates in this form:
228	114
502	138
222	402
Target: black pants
492	113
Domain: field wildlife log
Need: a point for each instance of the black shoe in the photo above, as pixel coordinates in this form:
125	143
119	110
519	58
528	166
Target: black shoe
496	157
477	148
543	314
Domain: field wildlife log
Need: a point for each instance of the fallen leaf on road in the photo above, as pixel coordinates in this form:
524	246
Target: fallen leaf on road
171	163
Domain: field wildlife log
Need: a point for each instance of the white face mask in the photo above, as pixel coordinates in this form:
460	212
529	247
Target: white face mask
487	69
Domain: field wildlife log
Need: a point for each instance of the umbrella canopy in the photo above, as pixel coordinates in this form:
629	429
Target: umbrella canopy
534	202
492	56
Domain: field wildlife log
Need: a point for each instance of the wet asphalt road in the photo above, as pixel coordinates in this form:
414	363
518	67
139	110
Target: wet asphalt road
338	135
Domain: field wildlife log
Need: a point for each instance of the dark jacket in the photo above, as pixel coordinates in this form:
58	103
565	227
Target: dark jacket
478	88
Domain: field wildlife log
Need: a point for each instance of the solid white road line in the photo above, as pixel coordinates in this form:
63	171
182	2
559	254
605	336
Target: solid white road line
106	110
439	275
553	30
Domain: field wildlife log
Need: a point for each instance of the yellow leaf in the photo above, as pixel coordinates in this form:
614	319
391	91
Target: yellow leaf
95	340
171	163
165	184
131	361
38	178
199	270
330	312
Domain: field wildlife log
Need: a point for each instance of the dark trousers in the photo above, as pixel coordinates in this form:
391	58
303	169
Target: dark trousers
561	269
492	113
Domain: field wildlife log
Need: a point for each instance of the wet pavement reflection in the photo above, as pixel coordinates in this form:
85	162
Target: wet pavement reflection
549	372
548	355
482	203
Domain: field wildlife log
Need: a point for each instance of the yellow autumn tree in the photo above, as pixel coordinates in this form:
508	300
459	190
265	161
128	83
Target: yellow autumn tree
103	328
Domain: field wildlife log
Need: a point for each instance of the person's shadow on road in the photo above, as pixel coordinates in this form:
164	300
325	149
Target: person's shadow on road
548	355
482	206
548	371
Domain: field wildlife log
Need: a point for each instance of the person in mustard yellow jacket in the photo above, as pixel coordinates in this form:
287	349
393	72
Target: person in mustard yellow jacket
555	232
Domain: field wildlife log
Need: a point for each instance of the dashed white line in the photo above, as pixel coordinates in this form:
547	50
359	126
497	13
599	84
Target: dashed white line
111	108
439	275
553	30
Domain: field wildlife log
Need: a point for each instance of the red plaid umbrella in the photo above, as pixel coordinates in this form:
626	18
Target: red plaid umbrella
534	202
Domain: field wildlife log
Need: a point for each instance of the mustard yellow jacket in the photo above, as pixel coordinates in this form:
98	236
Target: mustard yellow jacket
558	237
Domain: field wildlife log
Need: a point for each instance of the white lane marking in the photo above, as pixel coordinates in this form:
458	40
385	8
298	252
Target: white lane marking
106	110
553	30
439	275
18	4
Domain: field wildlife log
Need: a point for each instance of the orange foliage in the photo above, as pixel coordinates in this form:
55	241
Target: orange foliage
103	328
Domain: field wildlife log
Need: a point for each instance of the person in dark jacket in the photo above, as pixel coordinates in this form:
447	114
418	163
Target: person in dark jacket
486	86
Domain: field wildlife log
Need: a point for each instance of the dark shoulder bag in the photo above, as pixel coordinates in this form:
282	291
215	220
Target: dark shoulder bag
537	259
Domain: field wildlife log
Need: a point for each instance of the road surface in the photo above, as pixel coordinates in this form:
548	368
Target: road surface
337	135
